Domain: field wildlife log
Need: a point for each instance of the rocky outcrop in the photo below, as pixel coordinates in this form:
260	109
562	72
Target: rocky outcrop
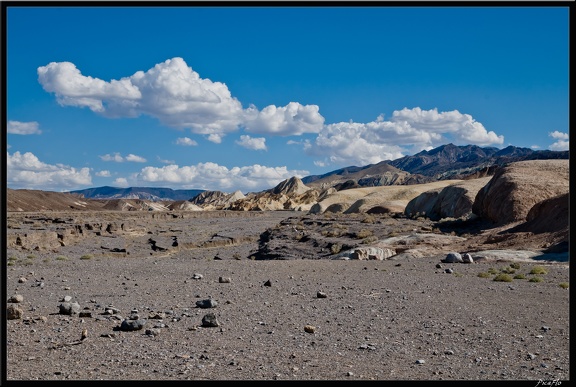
516	188
387	199
453	201
290	194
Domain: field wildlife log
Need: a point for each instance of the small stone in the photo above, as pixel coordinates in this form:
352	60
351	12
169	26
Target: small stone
197	276
321	295
132	325
224	280
309	329
449	271
268	283
21	280
420	361
13	312
210	320
206	303
17	298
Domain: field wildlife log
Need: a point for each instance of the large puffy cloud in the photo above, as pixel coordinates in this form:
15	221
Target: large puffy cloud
176	95
350	143
252	143
211	176
292	119
17	127
25	170
462	127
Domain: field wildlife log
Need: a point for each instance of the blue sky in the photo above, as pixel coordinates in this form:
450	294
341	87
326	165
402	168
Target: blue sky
241	98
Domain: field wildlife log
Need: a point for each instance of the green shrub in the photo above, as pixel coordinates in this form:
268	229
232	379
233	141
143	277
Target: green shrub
519	276
61	258
535	279
563	285
86	256
515	265
484	275
503	277
492	271
538	270
508	270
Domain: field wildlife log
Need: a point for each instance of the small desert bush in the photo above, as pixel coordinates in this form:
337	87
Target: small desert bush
335	248
519	276
369	219
364	233
508	270
538	270
61	258
484	275
369	239
31	256
86	256
563	285
535	279
515	265
503	277
492	271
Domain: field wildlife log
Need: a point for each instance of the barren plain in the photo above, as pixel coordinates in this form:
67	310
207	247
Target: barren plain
224	295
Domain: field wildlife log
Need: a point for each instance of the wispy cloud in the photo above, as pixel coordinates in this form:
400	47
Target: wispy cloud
103	173
252	143
24	128
116	157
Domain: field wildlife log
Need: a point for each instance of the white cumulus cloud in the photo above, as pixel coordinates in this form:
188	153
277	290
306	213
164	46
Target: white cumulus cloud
351	143
25	170
186	141
17	127
211	176
135	158
292	119
252	143
562	142
178	97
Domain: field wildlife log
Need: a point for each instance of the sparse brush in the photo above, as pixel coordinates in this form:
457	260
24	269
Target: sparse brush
335	248
502	277
519	276
369	219
508	270
515	265
484	275
86	256
61	258
564	285
538	270
364	233
535	279
492	271
368	240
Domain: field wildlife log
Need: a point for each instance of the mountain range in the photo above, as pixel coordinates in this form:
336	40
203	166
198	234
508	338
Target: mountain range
442	163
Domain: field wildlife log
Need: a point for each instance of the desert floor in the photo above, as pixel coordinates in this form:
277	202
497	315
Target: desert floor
311	318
